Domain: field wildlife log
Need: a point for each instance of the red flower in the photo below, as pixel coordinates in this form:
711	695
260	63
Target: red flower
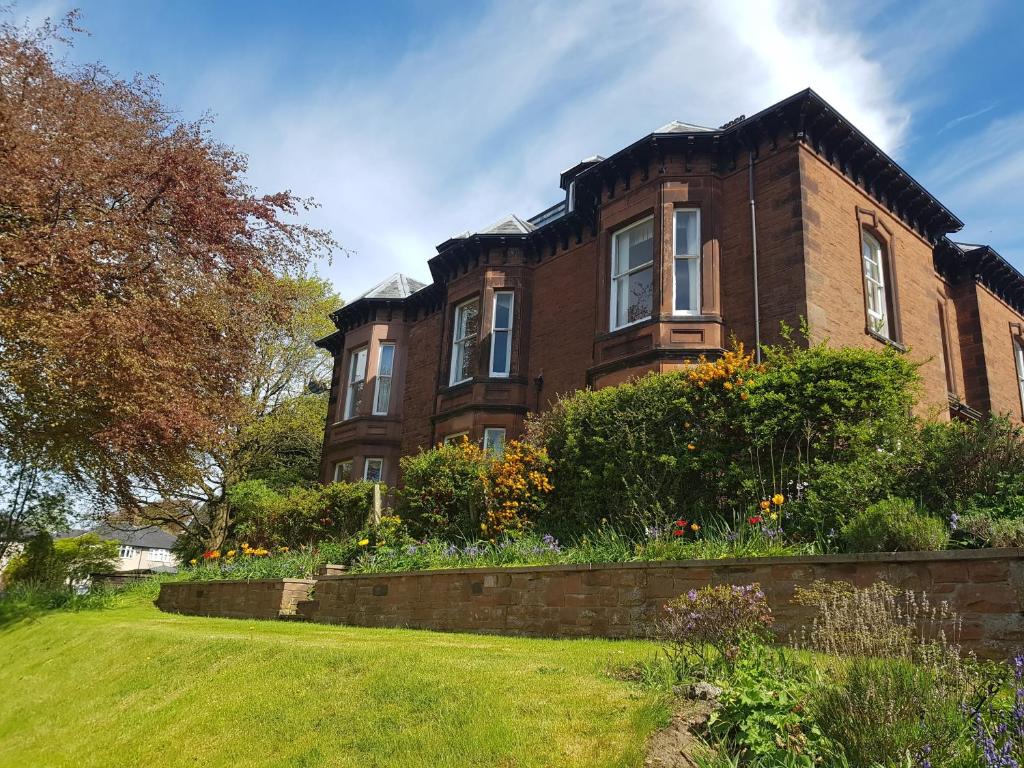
755	519
678	532
681	523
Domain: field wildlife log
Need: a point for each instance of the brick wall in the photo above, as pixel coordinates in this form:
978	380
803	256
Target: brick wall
269	599
620	600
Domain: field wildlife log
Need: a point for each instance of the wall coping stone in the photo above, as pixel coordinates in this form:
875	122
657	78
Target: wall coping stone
240	581
944	556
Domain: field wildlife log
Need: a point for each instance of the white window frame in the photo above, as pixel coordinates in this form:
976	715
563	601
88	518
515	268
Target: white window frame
615	278
508	338
339	469
1018	353
366	468
127	552
490	433
458	342
351	381
389	377
676	257
879	323
160	555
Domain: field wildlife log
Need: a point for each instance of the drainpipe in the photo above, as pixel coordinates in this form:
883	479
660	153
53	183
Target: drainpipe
753	240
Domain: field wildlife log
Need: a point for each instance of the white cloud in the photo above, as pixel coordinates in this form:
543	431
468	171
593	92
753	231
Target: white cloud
981	178
481	120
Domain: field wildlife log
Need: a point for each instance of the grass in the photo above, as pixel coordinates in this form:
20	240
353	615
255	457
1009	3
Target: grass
129	685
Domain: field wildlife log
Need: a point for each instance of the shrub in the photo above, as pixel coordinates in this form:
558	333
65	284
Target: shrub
444	490
51	564
518	484
828	428
711	623
299	515
985	530
888	712
459	492
894	525
761	715
969	467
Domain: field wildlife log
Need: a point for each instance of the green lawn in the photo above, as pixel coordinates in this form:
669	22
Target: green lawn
133	686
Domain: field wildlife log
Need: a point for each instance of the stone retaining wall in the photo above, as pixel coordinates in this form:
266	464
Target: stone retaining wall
620	600
269	599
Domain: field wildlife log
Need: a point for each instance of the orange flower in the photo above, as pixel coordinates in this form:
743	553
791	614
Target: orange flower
765	504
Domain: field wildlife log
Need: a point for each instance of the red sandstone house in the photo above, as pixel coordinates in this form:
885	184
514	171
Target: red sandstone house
662	253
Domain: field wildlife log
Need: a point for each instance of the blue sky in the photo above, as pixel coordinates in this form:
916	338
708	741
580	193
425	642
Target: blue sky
412	121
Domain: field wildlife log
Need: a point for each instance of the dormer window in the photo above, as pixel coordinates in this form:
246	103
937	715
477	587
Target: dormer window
877	287
632	274
464	335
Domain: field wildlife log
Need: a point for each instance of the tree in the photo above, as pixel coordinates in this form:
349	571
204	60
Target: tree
136	275
277	433
30	501
67	561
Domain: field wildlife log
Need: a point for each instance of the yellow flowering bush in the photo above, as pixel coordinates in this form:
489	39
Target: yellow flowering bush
518	484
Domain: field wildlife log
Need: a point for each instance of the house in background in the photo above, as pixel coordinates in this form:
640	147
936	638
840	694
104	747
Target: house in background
141	550
660	254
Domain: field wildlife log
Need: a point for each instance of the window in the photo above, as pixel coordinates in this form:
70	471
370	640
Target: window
160	555
876	287
1018	350
373	470
385	370
455	437
501	334
944	351
632	274
686	247
494	441
467	322
127	552
343	471
356	380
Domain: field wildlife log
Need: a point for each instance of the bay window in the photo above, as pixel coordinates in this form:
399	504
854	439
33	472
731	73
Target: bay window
385	371
686	260
464	334
501	334
632	274
356	380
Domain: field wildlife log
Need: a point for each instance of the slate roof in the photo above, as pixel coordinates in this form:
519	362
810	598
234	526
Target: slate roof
398	286
677	127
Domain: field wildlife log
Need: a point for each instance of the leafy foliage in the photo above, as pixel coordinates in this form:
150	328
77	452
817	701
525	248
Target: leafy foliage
894	525
822	426
711	623
970	468
457	491
52	564
135	272
299	516
885	711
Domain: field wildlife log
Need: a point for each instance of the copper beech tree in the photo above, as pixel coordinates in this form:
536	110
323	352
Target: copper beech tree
135	266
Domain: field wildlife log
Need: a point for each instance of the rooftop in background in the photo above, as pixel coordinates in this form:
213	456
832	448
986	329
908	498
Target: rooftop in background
149	537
